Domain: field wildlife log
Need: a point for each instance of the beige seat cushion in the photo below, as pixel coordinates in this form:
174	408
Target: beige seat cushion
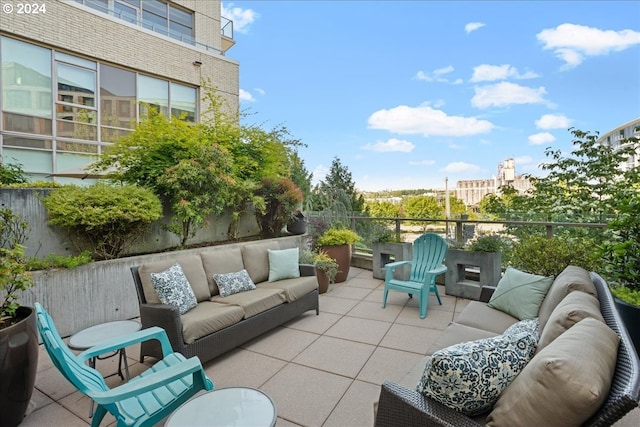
457	333
572	309
293	288
479	315
254	301
192	268
208	317
220	262
565	383
413	377
570	279
256	259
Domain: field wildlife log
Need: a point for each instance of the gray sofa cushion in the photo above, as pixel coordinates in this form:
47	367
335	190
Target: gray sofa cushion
208	317
457	333
220	262
479	315
192	268
570	279
255	301
256	259
293	288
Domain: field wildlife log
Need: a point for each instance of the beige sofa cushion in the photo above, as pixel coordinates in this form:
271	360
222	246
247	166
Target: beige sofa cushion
572	309
565	383
570	279
220	262
256	259
457	333
192	268
293	288
255	301
479	315
208	317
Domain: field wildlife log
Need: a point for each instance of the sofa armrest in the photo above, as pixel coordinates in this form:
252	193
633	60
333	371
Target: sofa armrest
167	318
486	292
399	406
307	269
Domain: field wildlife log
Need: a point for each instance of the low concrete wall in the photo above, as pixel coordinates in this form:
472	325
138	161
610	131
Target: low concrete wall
103	291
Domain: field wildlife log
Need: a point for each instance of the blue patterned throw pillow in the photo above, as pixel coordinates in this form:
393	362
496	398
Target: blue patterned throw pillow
232	283
174	289
470	376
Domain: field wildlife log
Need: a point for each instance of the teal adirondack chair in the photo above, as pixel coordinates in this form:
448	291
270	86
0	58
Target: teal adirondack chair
429	251
142	401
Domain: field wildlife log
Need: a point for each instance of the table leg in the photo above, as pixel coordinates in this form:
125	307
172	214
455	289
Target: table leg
123	358
92	363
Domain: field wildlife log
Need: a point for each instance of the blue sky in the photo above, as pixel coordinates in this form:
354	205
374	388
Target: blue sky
406	93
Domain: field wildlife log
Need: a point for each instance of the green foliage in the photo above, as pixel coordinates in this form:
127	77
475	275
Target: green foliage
386	236
337	192
36	184
59	261
13	275
11	173
280	197
103	219
491	243
383	209
456	207
338	236
423	207
626	294
549	256
322	261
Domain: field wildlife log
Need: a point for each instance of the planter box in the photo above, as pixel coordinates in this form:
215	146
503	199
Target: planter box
460	283
384	253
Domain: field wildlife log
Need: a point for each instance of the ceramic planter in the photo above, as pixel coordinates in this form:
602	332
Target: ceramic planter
323	281
342	255
630	315
18	366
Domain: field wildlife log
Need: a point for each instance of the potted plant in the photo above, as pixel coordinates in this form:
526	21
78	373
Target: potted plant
276	199
326	267
297	223
336	242
620	254
18	329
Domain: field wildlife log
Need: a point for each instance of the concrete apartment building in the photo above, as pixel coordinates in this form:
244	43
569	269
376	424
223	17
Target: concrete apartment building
617	136
74	73
472	191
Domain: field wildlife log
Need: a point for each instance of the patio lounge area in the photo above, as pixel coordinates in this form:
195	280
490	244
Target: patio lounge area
323	370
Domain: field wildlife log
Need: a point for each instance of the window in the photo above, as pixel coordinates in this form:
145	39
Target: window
117	97
183	102
154	93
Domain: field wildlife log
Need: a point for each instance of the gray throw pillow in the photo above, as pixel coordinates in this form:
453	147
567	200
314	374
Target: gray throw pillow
520	294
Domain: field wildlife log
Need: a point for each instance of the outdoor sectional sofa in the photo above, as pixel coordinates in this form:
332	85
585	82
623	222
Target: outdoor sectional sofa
218	324
565	383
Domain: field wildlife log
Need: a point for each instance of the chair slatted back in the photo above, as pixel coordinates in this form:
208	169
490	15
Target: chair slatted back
429	251
83	377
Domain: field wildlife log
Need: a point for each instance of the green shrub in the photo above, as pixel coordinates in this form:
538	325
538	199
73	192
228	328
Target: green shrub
337	236
11	173
549	256
59	261
278	200
103	219
13	275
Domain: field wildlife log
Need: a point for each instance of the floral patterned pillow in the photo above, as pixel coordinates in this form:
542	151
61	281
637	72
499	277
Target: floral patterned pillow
470	376
232	283
174	289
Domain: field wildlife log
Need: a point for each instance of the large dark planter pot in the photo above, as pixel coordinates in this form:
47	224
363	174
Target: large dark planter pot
323	281
297	225
18	365
630	315
342	255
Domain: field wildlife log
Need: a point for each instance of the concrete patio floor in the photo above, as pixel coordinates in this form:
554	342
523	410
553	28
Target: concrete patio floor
323	370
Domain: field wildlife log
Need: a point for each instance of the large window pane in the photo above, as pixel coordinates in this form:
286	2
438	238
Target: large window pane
183	102
76	85
117	97
126	13
155	93
17	141
180	16
154	22
155	6
26	87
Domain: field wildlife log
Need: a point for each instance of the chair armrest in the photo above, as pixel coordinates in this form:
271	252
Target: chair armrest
307	269
486	292
399	406
396	264
114	344
167	318
438	270
140	385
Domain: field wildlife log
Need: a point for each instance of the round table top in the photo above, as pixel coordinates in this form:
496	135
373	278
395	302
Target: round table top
233	406
97	334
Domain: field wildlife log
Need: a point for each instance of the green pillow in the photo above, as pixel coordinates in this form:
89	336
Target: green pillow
283	264
520	294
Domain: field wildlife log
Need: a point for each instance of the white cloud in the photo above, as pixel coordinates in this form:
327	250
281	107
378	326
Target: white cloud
472	26
242	18
319	173
506	93
426	121
572	43
486	72
436	75
553	121
246	96
422	162
392	145
541	138
260	91
456	167
455	146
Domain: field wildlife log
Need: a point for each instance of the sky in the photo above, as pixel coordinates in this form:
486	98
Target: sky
408	93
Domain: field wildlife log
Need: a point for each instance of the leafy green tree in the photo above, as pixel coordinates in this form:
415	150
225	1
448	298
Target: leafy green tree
300	175
456	207
423	207
11	173
279	197
383	209
338	188
493	206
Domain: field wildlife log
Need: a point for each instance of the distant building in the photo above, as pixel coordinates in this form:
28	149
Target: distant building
73	76
472	191
615	139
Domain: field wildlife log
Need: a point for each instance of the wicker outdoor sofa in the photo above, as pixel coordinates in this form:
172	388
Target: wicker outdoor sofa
401	405
218	324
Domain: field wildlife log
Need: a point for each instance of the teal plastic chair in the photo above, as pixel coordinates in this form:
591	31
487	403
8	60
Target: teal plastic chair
142	401
429	251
